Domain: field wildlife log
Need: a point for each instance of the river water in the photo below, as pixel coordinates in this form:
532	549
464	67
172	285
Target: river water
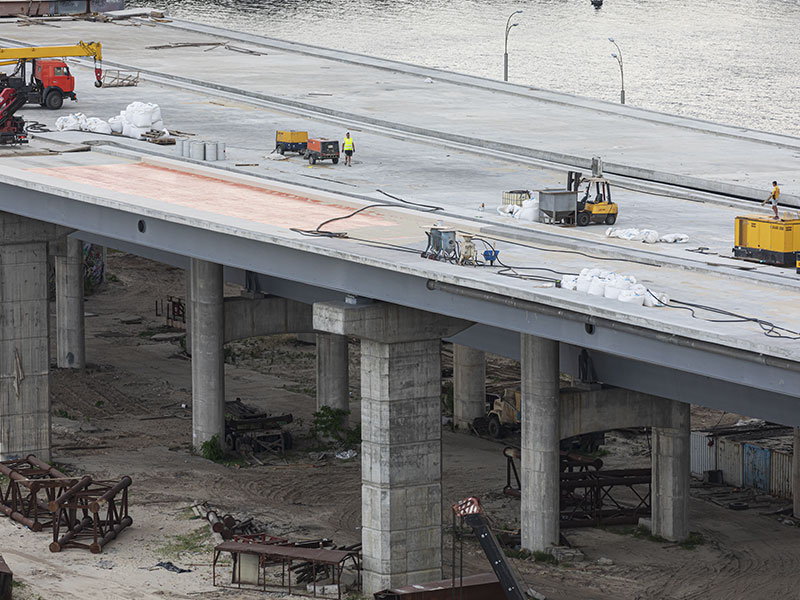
730	61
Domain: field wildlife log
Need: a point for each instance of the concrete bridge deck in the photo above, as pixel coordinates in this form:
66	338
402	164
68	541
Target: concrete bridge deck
246	223
487	114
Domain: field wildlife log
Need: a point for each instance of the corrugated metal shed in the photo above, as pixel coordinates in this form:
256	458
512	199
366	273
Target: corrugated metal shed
729	461
756	466
781	474
704	456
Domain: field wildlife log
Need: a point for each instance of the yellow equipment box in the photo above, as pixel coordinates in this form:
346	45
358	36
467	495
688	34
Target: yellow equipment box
291	137
767	240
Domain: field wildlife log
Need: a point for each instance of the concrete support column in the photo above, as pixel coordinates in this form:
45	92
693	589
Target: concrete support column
796	473
333	372
469	385
539	515
24	336
70	344
671	470
208	330
401	429
401	474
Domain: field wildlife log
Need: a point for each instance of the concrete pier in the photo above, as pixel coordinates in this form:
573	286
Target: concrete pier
24	336
207	323
401	473
796	473
70	334
539	514
333	372
469	385
671	471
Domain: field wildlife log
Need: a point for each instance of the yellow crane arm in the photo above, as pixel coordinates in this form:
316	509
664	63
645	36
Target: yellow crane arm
10	55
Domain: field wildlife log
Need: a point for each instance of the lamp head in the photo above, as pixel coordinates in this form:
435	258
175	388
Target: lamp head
611	39
613	55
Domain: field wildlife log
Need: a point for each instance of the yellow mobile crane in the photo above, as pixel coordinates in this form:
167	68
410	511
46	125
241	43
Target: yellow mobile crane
50	80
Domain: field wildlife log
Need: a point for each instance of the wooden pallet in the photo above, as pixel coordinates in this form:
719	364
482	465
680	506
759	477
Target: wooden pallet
116	78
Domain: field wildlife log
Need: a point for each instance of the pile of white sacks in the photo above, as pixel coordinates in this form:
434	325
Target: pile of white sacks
137	119
599	282
648	236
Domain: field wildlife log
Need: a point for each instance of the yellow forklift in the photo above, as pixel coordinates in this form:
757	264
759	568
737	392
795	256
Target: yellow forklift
596	205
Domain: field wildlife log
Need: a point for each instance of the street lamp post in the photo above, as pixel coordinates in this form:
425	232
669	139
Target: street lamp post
618	56
509	25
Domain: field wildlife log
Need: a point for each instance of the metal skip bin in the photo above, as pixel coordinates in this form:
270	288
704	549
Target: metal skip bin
558	206
756	467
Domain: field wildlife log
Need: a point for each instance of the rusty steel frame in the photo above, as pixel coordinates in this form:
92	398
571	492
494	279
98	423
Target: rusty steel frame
32	484
596	505
96	510
285	555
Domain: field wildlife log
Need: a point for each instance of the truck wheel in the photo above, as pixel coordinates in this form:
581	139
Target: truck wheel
312	159
53	100
583	219
611	219
335	160
495	428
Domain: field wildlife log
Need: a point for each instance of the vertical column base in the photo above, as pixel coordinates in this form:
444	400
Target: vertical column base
670	487
796	474
469	386
333	372
539	465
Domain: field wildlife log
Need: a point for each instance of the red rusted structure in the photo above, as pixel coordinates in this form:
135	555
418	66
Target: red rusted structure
90	514
31	485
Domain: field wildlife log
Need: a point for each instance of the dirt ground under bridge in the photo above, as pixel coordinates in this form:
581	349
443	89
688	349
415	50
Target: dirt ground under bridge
129	413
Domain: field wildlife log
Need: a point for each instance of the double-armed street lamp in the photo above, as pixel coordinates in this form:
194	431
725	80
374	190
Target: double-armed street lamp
509	25
618	56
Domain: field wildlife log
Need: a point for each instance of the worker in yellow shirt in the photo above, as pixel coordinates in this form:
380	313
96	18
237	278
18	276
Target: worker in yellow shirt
773	198
349	147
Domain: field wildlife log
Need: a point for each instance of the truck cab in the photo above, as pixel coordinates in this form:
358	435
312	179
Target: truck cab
52	83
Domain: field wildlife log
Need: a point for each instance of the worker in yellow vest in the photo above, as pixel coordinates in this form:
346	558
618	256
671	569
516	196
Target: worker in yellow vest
349	148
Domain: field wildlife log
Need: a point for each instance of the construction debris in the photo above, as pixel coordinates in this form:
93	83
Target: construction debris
588	493
31	484
90	510
38	496
251	432
250	562
117	78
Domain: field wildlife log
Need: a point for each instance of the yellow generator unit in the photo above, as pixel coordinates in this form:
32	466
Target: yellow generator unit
291	141
766	240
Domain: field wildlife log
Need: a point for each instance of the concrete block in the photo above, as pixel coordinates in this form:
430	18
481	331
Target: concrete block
401	421
23	282
407	464
21	434
23	320
388	323
261	316
33	353
30	397
398	509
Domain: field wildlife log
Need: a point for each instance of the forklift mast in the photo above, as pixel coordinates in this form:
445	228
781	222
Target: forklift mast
472	513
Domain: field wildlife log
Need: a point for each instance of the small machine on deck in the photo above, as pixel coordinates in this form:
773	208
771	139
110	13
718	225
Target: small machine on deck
321	149
763	239
291	141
